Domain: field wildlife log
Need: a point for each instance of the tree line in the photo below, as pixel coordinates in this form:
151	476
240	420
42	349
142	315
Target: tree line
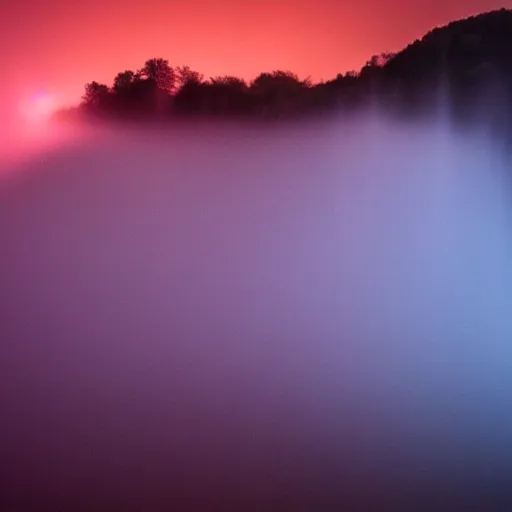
159	89
461	62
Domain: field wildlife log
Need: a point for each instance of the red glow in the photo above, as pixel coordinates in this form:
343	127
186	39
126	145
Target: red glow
61	45
38	108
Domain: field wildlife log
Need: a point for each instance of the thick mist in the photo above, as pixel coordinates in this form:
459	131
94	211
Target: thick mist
268	318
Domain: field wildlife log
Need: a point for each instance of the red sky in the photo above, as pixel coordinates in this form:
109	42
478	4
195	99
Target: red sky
61	44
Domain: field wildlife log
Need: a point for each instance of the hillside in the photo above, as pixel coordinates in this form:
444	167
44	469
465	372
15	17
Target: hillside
469	61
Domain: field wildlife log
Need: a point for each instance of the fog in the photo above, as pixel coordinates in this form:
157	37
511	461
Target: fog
257	318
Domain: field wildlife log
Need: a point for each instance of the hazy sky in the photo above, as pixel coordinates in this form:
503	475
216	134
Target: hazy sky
60	44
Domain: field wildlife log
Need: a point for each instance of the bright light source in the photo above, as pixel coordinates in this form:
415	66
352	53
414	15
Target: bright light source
38	108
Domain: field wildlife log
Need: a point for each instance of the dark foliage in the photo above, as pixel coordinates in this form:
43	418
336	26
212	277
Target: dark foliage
465	67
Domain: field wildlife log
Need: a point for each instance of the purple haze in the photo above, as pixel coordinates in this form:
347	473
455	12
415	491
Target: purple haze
257	319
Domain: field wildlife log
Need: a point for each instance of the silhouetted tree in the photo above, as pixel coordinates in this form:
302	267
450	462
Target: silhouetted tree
190	98
283	80
124	80
229	81
160	72
228	94
279	92
184	75
95	95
